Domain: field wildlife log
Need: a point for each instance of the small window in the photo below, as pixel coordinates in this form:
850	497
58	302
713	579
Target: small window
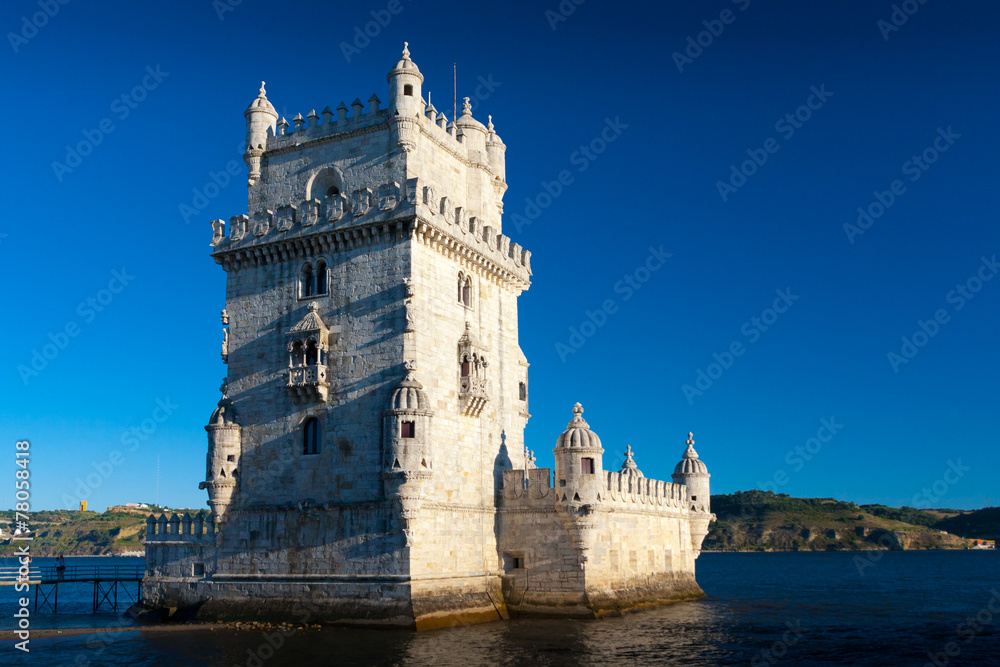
522	391
231	458
320	277
408	90
562	482
306	281
310	436
466	367
694	497
513	562
407	430
198	570
467	293
587	466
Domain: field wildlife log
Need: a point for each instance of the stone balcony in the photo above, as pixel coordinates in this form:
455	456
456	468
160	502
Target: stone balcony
308	383
474	394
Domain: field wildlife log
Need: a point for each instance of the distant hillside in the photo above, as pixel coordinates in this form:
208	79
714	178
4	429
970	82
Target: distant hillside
983	524
765	521
78	533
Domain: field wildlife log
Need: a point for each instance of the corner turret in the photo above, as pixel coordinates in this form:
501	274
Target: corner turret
693	473
261	117
405	100
579	466
223	460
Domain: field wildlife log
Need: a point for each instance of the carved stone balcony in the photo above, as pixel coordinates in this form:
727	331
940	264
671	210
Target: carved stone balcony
308	383
474	394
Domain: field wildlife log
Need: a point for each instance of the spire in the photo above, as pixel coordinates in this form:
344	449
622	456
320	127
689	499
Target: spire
629	467
689	453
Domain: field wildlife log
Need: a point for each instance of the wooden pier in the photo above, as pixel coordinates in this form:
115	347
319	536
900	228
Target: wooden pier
108	581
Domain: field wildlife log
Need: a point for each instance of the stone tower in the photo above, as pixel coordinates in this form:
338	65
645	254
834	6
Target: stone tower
366	461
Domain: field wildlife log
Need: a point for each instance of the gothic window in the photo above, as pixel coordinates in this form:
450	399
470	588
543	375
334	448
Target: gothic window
321	277
296	359
587	466
461	284
310	436
466	367
312	355
467	292
407	430
408	90
306	281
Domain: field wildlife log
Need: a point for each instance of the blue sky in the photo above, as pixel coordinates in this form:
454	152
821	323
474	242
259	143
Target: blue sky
743	158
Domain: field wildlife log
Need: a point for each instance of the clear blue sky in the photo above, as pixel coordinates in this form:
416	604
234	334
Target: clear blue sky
678	132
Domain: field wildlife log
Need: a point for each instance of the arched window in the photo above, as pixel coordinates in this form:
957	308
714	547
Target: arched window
321	277
310	436
461	285
332	191
306	281
312	357
466	367
467	292
296	359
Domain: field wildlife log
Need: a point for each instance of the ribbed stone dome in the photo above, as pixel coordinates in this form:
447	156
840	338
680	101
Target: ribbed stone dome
405	65
690	464
409	395
261	103
223	415
578	434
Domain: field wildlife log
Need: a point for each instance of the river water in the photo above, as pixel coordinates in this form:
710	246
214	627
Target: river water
855	608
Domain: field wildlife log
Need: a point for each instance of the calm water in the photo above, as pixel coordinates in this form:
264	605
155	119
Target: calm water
762	609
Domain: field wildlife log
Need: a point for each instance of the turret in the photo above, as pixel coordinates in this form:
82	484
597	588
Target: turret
222	464
260	116
405	103
579	467
496	151
693	473
472	132
408	464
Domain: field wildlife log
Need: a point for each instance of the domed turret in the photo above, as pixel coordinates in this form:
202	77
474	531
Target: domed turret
260	116
472	132
406	427
405	103
223	460
692	472
579	468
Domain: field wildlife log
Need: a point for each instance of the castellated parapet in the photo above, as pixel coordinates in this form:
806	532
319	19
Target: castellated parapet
366	462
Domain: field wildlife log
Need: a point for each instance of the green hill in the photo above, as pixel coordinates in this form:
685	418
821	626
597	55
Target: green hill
78	533
765	521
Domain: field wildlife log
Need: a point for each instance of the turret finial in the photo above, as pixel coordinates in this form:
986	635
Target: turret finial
489	125
313	307
406	50
577	409
466	107
690	440
261	91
